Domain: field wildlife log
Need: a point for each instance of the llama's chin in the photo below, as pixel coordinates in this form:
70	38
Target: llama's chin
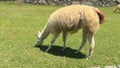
39	42
37	45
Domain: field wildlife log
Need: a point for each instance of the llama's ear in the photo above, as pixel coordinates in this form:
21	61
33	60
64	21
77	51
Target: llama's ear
38	34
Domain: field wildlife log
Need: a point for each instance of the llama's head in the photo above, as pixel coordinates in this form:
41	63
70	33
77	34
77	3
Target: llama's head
39	41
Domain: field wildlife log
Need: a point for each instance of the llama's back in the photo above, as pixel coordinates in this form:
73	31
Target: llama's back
72	18
66	19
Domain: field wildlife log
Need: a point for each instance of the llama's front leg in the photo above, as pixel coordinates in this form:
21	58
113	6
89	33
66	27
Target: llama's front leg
64	40
84	39
52	41
92	44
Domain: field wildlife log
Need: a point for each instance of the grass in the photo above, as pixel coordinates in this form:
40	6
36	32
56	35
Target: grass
19	22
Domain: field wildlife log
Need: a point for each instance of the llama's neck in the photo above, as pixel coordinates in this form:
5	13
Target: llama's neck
45	32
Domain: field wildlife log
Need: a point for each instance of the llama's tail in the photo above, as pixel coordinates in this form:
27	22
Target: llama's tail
100	15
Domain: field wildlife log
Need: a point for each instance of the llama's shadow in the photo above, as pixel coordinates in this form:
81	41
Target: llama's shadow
56	50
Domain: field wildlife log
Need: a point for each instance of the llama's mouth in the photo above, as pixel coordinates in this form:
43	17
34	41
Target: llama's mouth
37	44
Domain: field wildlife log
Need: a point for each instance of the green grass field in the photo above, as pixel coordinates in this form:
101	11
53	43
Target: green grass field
19	23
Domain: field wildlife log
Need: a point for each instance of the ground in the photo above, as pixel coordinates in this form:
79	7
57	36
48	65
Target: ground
19	22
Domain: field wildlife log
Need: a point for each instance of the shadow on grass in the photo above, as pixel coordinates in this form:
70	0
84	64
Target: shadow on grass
116	12
56	50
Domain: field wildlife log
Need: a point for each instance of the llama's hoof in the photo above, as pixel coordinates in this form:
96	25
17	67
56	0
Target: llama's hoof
76	52
46	51
87	57
62	49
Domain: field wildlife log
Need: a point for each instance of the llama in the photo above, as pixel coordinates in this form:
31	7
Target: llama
117	8
70	19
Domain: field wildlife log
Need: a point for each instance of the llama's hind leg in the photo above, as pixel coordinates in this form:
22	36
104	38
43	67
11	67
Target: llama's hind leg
92	44
84	39
64	40
52	41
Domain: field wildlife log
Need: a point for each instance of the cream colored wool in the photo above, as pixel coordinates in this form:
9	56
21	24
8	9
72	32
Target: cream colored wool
71	19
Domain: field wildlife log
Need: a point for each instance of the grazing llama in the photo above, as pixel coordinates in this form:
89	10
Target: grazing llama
71	19
117	9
